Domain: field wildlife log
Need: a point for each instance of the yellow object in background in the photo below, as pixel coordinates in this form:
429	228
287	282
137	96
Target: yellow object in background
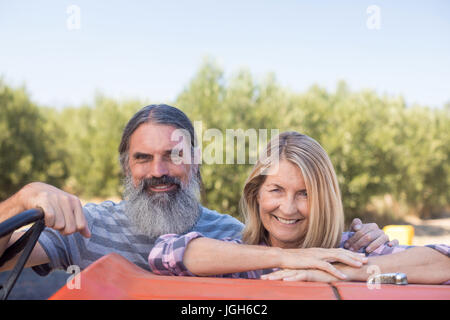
403	233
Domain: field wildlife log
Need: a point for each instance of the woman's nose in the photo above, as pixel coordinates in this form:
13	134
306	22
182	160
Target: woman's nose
288	207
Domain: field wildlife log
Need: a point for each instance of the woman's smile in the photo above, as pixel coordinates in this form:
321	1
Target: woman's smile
287	221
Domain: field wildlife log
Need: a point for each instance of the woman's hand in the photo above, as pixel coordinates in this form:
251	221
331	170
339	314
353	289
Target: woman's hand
300	275
319	258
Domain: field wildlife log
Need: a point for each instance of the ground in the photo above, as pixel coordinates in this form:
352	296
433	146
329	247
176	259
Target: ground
431	231
32	286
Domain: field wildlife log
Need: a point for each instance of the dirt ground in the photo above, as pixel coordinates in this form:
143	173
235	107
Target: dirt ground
432	231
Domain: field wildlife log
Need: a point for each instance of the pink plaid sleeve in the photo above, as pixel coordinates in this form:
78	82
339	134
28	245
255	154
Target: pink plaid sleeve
166	257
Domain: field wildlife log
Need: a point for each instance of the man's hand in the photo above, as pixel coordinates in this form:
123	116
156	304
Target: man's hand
62	211
367	235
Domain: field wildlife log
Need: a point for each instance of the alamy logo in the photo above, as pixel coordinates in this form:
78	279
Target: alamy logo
73	21
374	20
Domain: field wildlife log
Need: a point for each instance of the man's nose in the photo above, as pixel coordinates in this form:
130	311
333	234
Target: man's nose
159	168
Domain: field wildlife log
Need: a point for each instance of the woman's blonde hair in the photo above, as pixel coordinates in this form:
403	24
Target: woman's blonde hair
326	216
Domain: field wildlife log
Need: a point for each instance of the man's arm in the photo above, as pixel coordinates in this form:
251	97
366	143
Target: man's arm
37	256
421	265
8	209
62	212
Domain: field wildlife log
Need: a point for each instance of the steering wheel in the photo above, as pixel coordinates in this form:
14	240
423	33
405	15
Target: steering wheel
25	243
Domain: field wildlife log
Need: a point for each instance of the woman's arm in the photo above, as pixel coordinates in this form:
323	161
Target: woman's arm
191	254
207	257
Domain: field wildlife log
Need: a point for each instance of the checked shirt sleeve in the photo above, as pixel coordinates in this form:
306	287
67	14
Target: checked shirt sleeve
384	249
166	257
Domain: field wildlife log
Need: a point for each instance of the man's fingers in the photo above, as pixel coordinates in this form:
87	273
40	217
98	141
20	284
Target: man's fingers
67	211
356	237
367	239
356	224
393	243
80	219
377	243
49	215
60	222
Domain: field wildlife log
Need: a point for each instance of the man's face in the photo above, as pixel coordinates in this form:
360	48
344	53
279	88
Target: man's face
162	192
151	153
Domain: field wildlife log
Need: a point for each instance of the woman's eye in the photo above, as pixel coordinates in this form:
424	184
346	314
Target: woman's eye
274	190
303	194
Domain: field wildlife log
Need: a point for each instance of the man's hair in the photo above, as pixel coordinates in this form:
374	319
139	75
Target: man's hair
157	114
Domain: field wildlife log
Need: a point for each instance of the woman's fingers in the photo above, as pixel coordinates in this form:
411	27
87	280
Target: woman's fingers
300	275
347	257
329	268
278	275
311	264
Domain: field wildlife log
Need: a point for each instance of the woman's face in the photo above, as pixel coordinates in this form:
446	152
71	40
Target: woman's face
283	205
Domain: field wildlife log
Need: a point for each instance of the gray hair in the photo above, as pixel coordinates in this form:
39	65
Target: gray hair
158	114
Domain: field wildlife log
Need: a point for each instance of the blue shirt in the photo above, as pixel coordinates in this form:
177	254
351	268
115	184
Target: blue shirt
112	231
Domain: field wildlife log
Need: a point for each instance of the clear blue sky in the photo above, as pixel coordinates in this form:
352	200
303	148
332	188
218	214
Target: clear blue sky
151	49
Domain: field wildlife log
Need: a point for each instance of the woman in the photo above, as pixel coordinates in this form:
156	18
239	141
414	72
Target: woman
294	220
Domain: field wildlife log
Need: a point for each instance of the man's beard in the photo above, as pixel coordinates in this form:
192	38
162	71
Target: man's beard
158	213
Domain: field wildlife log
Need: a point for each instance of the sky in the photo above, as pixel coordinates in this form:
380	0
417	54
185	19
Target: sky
152	49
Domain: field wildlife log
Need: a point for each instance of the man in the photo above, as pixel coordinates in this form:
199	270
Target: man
161	196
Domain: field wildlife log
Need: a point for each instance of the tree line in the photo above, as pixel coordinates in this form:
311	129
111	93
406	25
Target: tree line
382	149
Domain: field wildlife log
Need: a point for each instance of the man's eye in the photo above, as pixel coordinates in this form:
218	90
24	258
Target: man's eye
142	158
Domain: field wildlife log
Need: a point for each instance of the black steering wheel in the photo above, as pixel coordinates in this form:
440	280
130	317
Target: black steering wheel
25	243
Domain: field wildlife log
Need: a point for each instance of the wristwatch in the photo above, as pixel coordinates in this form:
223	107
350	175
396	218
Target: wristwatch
388	278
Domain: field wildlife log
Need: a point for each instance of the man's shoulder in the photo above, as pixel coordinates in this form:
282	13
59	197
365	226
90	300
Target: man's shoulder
218	225
106	210
212	215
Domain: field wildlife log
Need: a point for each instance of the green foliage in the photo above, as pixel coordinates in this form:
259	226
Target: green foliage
377	144
27	150
92	141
